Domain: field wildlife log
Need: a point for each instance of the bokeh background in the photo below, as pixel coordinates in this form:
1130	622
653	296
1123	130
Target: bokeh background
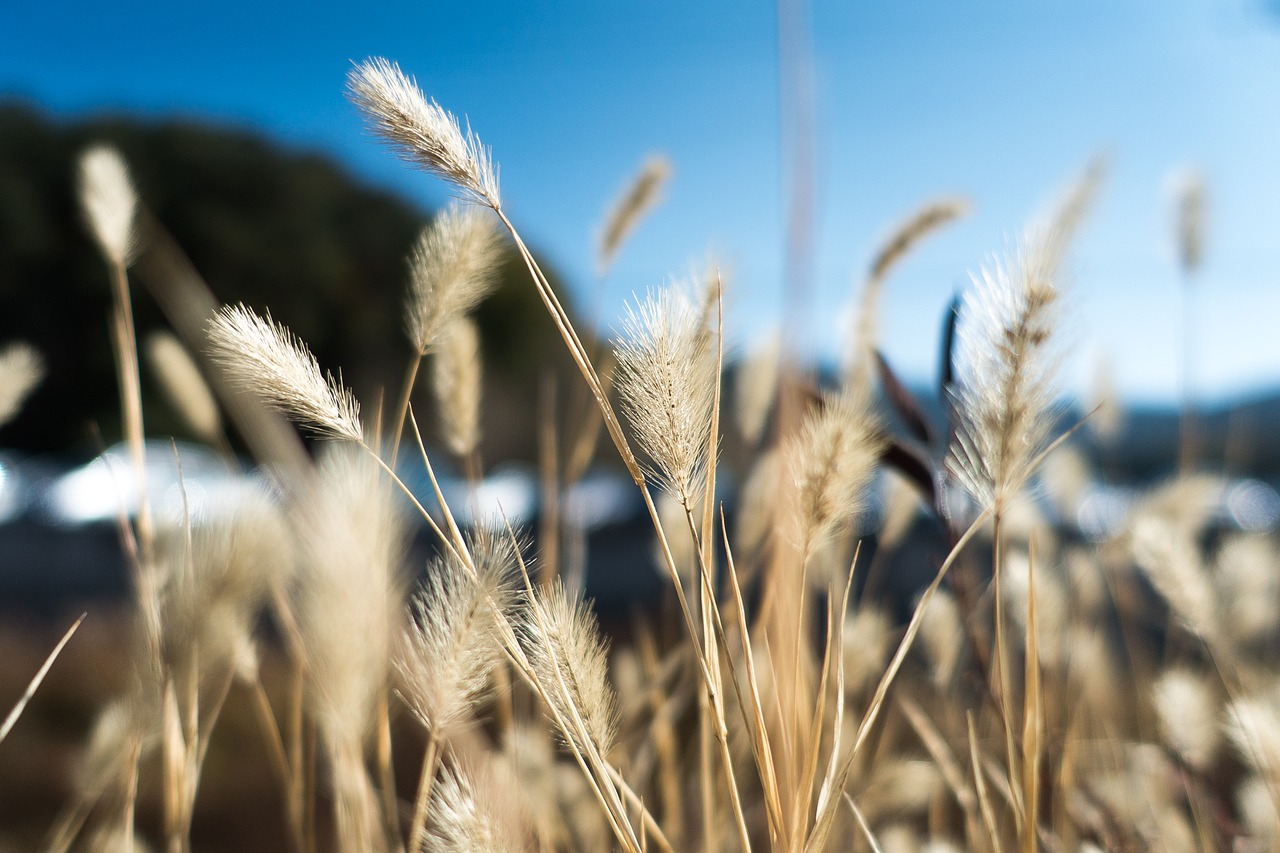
799	132
859	111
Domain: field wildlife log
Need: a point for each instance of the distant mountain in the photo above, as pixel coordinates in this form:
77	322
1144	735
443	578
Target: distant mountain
279	229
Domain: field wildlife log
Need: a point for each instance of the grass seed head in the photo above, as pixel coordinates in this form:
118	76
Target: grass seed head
641	195
475	811
422	132
184	384
452	645
109	202
348	590
831	461
265	358
457	379
453	266
666	378
21	369
1188	713
562	640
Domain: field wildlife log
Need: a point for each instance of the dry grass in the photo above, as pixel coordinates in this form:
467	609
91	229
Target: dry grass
1026	701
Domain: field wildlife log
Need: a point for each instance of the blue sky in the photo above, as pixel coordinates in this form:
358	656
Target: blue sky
1002	102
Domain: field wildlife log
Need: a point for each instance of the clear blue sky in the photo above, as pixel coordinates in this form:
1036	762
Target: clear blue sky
1002	101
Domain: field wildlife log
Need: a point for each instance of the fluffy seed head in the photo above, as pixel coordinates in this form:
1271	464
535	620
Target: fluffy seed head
21	369
924	221
423	133
901	786
348	590
1253	725
474	811
1190	190
1168	555
457	385
265	358
866	643
830	462
1188	713
757	503
109	202
452	267
920	224
1257	806
1004	355
640	196
218	580
452	645
1108	412
942	638
184	384
666	378
570	660
1249	590
756	386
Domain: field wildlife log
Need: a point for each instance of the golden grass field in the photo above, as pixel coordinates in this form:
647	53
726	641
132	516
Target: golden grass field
281	679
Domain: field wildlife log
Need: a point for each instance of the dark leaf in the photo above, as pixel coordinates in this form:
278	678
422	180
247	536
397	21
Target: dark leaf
913	466
903	402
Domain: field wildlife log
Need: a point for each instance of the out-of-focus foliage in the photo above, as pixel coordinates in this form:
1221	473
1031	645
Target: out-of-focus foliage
275	228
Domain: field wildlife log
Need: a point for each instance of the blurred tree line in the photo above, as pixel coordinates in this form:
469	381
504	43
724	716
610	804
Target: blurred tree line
275	228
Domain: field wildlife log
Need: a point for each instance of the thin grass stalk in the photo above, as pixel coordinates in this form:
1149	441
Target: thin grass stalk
310	753
278	757
174	761
763	758
454	544
583	448
761	747
12	718
426	778
706	551
648	824
386	772
706	777
124	337
354	801
549	466
196	754
809	755
1033	722
584	760
863	826
801	722
984	801
904	646
131	791
936	745
837	726
577	351
402	407
298	741
1190	226
664	738
63	833
591	761
715	693
1001	664
459	543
